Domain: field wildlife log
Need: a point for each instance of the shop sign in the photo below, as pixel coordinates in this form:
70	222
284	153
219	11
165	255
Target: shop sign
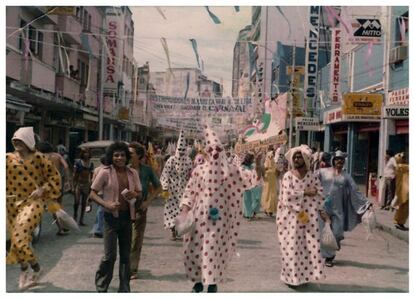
395	112
362	105
366	30
61	10
336	66
312	51
333	116
398	97
307	123
112	51
123	113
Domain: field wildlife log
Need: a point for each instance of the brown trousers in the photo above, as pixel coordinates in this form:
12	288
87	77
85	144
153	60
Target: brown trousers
138	229
401	214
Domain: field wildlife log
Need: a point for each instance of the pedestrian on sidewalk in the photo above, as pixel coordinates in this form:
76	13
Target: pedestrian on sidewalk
389	179
402	186
214	195
97	229
82	177
61	165
173	180
270	187
119	185
344	203
31	182
252	196
300	202
148	178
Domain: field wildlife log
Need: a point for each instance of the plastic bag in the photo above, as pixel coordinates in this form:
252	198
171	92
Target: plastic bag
66	220
184	223
370	221
394	203
328	240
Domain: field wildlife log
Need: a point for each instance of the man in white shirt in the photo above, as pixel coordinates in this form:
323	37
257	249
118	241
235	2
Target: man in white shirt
389	176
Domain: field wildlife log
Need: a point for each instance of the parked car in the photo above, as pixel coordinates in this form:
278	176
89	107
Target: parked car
97	149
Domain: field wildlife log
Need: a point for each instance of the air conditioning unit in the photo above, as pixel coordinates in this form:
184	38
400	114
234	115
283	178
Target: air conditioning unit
399	54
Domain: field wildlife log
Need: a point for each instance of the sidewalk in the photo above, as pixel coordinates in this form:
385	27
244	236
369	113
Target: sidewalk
385	222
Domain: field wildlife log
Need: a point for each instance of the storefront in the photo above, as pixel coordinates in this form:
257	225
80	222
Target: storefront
354	128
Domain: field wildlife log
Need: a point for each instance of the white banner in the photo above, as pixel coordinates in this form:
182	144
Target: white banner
184	107
335	93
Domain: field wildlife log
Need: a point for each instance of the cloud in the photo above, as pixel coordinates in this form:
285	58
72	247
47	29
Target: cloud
215	41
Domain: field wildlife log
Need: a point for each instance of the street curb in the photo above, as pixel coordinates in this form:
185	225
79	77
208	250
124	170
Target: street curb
394	232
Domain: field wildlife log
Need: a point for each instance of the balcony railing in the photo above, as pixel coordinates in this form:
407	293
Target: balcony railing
37	74
67	87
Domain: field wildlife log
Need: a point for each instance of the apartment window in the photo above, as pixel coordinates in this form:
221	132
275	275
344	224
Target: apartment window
402	29
35	38
85	20
83	72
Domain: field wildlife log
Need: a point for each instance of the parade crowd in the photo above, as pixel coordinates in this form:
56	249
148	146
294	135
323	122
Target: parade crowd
208	191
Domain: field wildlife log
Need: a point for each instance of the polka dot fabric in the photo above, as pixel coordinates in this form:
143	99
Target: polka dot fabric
24	214
174	178
299	243
210	246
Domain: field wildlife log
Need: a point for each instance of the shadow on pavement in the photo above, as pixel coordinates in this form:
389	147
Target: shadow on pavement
338	288
343	263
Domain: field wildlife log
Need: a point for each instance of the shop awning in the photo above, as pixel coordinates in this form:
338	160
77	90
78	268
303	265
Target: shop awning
13	103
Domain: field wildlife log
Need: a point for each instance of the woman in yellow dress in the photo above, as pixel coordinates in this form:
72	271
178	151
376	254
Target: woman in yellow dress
31	178
269	194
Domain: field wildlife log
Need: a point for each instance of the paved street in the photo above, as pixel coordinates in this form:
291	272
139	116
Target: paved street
69	263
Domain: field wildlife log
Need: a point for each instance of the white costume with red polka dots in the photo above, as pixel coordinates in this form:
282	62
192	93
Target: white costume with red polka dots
301	259
214	184
173	179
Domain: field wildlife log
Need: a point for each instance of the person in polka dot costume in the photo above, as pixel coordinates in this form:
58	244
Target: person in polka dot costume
214	193
31	181
300	201
173	180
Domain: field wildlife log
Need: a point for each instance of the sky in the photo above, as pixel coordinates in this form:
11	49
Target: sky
215	41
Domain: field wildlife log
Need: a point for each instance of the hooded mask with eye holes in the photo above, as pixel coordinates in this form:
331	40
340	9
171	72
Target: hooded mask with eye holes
181	161
217	161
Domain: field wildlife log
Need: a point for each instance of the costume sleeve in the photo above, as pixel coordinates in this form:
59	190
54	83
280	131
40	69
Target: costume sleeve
358	201
319	197
165	176
191	190
289	197
51	179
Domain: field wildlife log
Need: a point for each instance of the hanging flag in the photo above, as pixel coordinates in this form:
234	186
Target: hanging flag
252	58
194	43
161	13
187	85
27	52
167	54
401	23
333	13
237	8
215	19
287	20
368	66
202	65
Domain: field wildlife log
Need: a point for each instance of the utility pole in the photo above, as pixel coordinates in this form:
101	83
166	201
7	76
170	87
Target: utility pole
292	77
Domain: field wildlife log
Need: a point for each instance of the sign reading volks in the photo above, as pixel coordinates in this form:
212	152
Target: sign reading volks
396	112
312	58
366	30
